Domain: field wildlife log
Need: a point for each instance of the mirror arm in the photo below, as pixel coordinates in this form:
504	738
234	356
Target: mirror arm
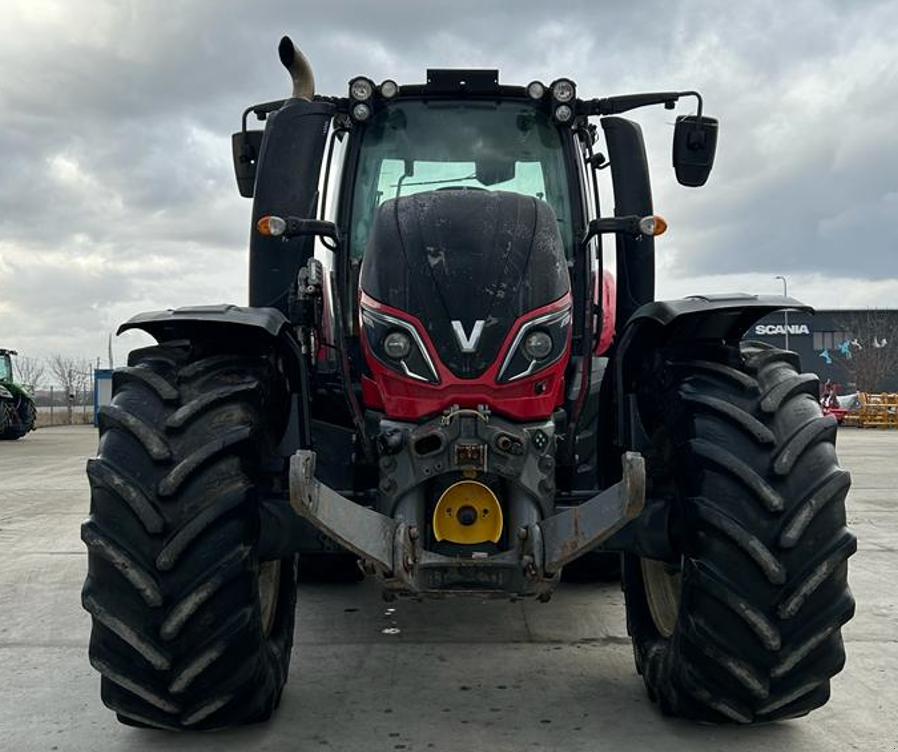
261	111
628	225
700	103
626	102
616	105
301	228
697	137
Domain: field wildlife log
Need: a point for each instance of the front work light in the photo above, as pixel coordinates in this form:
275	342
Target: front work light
563	113
535	90
361	89
361	111
389	89
563	90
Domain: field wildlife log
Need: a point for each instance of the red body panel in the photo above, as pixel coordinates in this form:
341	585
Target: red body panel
608	300
530	398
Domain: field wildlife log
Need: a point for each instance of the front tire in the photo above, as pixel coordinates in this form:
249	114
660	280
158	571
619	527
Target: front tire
190	630
745	626
27	415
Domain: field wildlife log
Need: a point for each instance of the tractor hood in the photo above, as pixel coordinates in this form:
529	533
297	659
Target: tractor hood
465	262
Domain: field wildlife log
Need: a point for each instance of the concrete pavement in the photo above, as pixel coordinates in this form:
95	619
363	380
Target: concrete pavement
470	676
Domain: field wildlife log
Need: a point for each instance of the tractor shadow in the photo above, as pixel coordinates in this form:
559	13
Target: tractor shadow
471	676
482	675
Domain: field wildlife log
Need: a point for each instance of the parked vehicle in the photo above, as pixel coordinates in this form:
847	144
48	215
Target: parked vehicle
17	411
436	375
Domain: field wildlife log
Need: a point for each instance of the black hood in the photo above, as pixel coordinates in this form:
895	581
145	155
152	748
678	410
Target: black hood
465	255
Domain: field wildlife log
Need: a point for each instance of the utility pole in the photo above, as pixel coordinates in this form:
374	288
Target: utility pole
785	312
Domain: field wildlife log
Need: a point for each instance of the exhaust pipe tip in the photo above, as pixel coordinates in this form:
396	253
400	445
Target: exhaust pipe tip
299	69
286	51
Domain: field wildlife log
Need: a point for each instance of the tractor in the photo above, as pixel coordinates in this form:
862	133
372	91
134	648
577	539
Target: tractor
437	383
17	410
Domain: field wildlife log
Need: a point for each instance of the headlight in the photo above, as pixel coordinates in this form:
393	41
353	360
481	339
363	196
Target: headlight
397	345
538	344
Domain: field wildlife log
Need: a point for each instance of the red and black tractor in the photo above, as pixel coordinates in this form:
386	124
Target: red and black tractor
436	382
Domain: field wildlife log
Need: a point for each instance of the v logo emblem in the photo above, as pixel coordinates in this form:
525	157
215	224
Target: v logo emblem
466	343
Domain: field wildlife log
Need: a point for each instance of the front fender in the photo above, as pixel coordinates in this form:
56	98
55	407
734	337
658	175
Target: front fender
208	320
239	327
704	318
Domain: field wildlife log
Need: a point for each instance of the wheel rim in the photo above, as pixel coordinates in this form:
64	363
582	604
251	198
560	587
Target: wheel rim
269	585
662	591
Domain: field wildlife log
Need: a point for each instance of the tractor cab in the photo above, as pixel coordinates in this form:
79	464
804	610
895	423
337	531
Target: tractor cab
460	230
459	224
439	250
6	365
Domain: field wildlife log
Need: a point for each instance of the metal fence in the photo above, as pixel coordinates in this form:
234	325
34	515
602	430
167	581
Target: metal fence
55	408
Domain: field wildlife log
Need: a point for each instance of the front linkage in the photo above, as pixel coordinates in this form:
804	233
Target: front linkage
391	548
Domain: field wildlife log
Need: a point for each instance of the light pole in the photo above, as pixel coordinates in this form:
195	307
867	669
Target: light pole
785	312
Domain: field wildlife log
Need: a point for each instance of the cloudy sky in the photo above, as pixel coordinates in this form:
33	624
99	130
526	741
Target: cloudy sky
116	187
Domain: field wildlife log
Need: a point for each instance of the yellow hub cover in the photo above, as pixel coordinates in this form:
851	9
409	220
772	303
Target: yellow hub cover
468	512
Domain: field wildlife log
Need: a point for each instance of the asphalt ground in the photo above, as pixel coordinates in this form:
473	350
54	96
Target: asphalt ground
471	676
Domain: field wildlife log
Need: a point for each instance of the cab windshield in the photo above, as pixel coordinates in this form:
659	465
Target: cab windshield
5	368
410	147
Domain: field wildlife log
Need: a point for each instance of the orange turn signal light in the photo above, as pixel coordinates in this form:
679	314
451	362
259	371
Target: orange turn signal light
271	226
652	225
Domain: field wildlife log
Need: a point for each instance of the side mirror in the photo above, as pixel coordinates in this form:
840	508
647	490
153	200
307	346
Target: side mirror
694	145
246	146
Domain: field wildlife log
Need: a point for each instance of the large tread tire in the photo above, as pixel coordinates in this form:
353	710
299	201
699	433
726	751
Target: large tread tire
18	430
5	415
173	584
743	449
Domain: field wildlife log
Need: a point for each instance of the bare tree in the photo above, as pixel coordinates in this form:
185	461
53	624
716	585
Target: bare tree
30	371
72	375
873	365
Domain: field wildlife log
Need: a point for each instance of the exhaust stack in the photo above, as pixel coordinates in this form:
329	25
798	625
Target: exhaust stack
298	67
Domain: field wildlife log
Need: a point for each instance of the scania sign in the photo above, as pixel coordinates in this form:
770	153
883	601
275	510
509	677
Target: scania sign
782	329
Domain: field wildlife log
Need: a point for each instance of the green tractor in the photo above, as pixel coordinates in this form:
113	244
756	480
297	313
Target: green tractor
17	411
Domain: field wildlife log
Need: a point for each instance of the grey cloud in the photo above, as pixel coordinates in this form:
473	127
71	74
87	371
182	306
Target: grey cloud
115	121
